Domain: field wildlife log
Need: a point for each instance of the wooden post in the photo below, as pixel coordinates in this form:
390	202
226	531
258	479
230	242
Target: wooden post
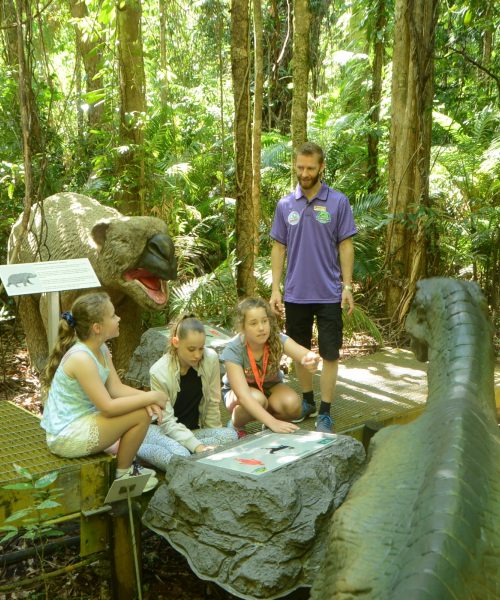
125	584
53	318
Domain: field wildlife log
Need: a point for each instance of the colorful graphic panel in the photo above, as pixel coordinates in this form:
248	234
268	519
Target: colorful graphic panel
265	452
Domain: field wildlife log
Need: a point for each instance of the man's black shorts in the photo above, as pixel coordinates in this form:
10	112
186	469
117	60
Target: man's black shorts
299	326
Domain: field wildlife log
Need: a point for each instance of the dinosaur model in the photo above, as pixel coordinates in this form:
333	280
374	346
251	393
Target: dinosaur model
423	520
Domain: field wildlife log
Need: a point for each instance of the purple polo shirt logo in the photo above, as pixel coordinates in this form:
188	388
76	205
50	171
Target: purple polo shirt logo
293	217
323	216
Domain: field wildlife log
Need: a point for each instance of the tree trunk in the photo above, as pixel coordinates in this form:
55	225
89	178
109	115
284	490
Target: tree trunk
29	118
14	58
301	27
132	107
316	51
375	96
245	219
220	53
279	96
409	152
163	9
257	118
9	32
88	49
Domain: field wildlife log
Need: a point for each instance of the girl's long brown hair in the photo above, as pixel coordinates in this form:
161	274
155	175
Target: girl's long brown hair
86	310
274	341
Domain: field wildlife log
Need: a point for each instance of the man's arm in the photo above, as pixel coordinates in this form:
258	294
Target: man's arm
278	252
346	258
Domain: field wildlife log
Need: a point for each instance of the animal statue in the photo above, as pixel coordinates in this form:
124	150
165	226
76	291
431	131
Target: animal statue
133	258
422	522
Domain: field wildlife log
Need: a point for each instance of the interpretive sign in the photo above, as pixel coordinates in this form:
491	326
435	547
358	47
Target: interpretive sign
49	276
265	452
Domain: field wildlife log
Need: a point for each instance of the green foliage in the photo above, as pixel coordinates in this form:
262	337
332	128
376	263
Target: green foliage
360	322
369	212
212	296
33	518
466	193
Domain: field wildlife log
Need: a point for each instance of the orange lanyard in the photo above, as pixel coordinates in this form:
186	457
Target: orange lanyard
259	377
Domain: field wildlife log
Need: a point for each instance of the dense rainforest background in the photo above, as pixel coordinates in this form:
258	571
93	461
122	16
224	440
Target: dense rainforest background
190	111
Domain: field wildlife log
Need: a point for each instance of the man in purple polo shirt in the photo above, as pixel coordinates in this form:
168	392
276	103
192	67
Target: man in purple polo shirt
313	227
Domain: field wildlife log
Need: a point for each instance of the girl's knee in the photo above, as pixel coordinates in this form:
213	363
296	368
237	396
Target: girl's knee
288	405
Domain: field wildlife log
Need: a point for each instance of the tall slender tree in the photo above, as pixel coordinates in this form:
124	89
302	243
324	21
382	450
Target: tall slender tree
409	153
18	55
301	28
245	218
163	11
257	117
132	106
378	40
279	32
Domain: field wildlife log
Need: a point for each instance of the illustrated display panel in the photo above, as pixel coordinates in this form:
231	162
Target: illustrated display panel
265	452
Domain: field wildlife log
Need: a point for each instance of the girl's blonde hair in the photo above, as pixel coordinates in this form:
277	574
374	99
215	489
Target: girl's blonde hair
274	341
76	324
181	327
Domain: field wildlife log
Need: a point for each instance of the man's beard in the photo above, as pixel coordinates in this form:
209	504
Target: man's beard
311	183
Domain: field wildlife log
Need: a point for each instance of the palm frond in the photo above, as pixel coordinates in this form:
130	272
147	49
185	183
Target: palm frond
359	322
211	296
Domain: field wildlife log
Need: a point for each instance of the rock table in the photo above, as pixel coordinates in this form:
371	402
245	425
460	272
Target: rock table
260	533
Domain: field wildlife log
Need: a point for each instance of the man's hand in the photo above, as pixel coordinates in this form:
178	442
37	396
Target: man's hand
347	300
276	303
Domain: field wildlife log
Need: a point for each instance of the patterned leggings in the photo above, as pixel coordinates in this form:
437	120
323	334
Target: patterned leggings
158	449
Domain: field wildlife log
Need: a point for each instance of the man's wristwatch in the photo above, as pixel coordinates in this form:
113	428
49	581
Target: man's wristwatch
347	287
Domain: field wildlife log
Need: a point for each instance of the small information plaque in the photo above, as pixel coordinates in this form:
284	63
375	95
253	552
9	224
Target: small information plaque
128	487
51	276
265	452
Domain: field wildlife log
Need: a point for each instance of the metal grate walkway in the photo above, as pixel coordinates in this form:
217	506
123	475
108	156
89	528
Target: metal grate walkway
22	441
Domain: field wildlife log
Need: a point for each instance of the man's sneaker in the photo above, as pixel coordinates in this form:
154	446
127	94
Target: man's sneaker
324	423
241	433
308	410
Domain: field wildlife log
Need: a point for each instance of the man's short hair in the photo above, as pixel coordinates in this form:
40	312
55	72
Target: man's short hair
309	149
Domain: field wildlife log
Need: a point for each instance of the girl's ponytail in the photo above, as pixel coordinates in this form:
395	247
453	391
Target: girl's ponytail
66	337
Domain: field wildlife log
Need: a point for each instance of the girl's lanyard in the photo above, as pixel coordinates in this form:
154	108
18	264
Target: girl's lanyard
259	375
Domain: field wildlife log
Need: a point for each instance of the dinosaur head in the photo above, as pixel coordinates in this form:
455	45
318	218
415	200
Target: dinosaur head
136	256
417	324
